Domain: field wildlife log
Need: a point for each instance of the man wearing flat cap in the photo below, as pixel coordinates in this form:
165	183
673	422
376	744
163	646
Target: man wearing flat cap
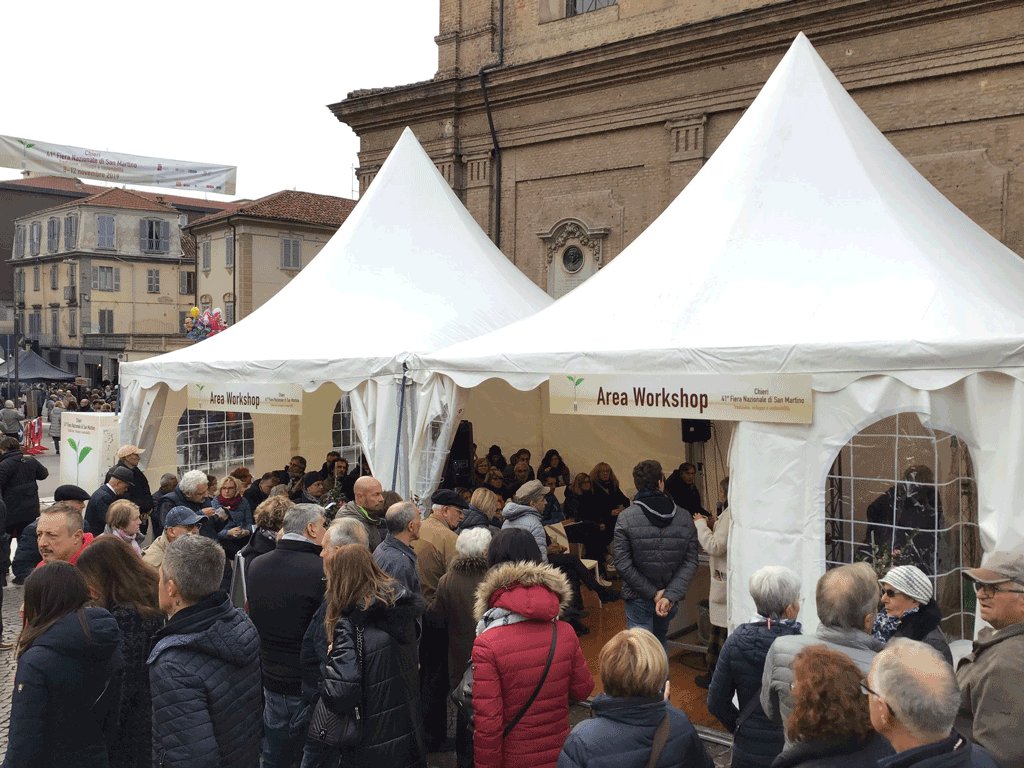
128	456
119	480
991	677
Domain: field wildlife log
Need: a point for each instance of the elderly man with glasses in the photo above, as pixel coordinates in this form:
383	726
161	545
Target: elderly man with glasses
990	678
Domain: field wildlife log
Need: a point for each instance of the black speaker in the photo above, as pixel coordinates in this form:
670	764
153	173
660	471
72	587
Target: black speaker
459	471
696	430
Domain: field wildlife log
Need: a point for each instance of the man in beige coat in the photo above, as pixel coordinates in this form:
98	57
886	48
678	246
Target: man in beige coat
992	697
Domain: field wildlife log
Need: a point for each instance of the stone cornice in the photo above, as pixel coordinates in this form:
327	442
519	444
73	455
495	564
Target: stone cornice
752	34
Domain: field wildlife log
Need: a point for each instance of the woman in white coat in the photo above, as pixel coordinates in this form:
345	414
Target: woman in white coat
715	542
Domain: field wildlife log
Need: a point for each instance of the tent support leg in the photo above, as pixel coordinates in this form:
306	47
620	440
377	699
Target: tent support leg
398	438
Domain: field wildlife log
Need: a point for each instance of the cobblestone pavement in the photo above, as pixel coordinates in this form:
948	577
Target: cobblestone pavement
11	624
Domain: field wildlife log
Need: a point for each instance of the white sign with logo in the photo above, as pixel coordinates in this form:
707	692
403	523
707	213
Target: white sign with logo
784	399
88	447
270	399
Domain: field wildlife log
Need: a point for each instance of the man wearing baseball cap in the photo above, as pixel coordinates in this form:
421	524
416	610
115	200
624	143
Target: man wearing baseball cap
128	456
179	521
991	678
119	480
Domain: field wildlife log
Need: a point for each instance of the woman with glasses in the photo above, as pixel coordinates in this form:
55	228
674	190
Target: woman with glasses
830	724
909	610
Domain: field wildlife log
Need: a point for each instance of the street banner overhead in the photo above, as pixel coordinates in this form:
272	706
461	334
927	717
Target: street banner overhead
778	398
60	160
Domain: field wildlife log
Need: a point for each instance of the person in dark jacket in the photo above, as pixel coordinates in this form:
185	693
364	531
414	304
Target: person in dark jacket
269	517
909	610
191	492
395	554
634	671
682	488
910	672
655	552
285	588
128	456
259	492
118	483
127	587
19	476
482	511
587	524
385	686
452	610
168	482
552	463
829	725
68	687
756	741
238	526
204	671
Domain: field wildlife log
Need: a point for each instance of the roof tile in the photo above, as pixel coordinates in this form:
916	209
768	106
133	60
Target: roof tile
291	205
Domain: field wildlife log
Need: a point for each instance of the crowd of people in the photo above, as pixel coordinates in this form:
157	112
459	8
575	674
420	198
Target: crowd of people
311	618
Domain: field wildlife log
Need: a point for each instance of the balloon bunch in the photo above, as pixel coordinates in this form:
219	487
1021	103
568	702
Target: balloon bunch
200	326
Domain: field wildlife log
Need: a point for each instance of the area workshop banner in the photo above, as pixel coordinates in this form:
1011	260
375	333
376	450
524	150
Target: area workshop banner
271	399
784	399
76	162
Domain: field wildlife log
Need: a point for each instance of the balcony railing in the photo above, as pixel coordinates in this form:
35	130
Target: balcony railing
138	342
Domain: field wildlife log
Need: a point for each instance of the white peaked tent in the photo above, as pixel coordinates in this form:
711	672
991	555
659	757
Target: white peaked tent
409	271
807	244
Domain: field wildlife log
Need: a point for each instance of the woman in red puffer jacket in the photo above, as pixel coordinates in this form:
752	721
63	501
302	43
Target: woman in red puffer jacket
517	609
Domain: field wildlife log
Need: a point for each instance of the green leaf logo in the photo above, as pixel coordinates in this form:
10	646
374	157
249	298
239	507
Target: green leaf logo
84	453
73	444
25	145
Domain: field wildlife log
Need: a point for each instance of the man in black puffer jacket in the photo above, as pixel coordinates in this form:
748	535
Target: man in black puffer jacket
205	667
655	553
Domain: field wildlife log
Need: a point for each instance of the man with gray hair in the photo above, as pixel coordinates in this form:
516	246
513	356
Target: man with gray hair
847	602
191	492
395	554
913	700
285	590
344	530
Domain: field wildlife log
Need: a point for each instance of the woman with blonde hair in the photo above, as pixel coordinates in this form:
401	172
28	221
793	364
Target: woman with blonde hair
123	521
372	664
633	711
239	523
483	511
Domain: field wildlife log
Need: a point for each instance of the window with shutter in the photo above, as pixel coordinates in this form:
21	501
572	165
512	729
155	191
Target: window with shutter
291	253
72	275
153	280
229	313
52	235
206	256
72	322
19	243
35	235
35	278
53	277
117	278
95	278
165	237
54	324
105	231
186	282
229	251
70	232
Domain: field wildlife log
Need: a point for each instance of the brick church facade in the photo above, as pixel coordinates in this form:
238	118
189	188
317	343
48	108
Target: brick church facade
603	111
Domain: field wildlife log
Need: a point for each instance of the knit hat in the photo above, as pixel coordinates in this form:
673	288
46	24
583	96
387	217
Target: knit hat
310	478
911	581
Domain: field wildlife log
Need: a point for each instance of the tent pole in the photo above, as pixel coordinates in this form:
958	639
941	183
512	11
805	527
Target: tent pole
398	438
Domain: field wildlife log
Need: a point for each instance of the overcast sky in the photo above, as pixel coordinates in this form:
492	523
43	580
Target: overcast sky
212	82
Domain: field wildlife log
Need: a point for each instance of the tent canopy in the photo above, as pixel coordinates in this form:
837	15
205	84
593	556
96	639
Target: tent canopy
409	271
31	367
806	244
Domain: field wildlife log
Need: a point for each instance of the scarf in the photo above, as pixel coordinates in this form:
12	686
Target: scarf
129	539
229	503
886	626
497	617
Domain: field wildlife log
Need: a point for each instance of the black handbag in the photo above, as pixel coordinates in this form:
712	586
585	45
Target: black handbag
462	694
345	730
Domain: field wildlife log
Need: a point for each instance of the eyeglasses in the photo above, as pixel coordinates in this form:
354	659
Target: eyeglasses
992	588
868	692
890	593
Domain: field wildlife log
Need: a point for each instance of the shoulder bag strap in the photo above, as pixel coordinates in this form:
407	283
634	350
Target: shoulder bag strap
748	710
551	656
660	740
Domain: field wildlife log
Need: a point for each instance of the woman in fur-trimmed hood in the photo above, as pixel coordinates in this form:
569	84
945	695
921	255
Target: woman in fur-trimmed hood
517	608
